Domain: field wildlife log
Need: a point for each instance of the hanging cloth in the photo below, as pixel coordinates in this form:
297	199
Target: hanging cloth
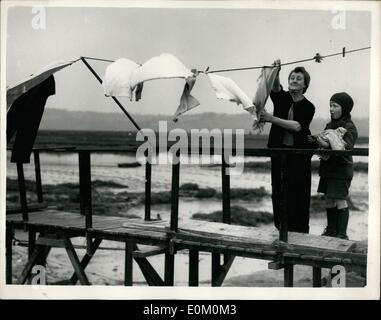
24	117
265	83
187	101
225	88
165	66
16	90
117	78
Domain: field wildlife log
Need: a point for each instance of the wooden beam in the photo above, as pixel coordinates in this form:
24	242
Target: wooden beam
224	269
149	252
193	268
38	257
169	269
76	263
175	194
149	273
86	259
147	203
22	191
8	241
226	215
288	275
316	277
128	264
283	230
37	169
216	268
31	242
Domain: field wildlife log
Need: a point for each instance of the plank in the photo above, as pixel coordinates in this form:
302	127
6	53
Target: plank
149	251
31	208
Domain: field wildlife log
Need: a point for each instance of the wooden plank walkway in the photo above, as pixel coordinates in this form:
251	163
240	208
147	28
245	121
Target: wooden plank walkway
195	236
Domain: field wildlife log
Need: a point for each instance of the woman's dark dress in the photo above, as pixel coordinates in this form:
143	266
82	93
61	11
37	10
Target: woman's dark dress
297	172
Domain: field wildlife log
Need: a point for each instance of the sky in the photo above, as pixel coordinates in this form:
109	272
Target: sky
200	38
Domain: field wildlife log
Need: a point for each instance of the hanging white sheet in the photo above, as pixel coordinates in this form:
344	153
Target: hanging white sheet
117	79
225	88
165	66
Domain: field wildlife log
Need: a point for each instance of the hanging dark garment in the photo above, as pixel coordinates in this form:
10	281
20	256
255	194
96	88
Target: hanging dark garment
24	117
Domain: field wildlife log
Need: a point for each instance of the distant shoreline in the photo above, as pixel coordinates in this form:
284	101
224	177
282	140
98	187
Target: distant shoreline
115	139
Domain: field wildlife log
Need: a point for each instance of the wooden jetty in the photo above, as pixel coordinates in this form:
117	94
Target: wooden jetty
56	229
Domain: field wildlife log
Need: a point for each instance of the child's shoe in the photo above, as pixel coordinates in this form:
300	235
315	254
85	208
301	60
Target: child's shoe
342	223
330	230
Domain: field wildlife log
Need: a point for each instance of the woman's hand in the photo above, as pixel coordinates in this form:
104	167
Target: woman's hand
277	63
266	117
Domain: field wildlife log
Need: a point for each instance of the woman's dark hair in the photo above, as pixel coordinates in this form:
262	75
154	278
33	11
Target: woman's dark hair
306	75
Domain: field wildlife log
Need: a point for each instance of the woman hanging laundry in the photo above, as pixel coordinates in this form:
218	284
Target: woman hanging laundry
291	118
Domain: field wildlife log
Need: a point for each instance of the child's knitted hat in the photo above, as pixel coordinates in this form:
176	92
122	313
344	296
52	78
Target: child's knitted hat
345	101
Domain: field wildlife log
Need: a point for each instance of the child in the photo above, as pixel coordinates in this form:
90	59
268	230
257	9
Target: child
336	172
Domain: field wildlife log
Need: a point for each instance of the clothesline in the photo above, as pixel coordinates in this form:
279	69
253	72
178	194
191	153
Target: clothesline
317	58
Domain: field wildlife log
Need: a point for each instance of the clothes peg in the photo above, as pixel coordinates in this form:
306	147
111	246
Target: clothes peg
318	58
343	52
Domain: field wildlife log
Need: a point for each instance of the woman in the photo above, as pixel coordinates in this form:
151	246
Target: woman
290	121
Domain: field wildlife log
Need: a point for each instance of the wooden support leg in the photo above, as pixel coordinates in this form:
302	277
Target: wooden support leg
149	273
316	277
76	264
128	264
169	272
193	267
31	242
38	256
215	268
219	271
288	275
8	240
86	259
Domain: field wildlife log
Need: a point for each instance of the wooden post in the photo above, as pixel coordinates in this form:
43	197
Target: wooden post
169	269
31	242
175	193
8	240
85	193
283	230
316	277
193	267
37	169
128	264
147	215
22	191
226	216
216	265
288	275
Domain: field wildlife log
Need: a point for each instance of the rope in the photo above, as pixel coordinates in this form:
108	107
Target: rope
317	58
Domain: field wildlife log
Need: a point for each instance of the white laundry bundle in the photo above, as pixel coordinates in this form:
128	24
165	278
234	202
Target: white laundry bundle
335	139
265	83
